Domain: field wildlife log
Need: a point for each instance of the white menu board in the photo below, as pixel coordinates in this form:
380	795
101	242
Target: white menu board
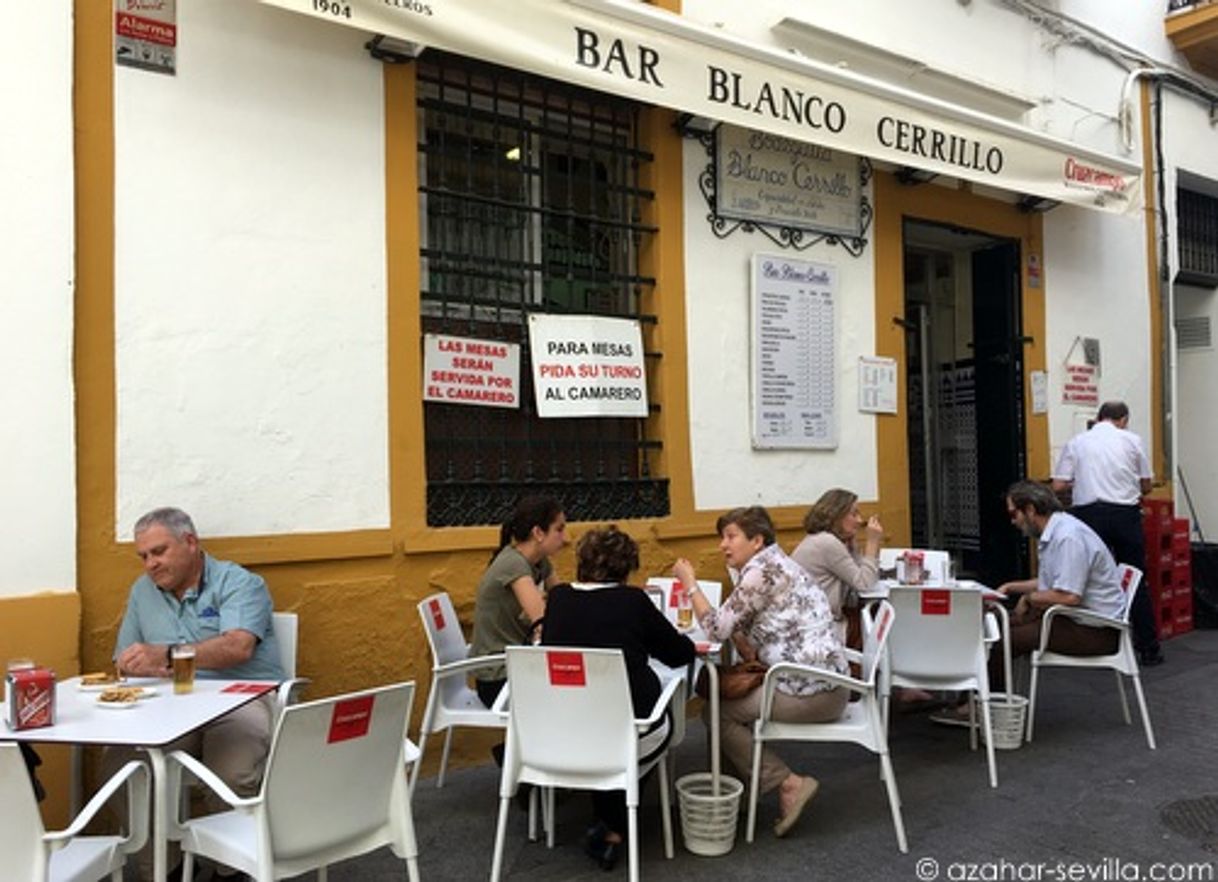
793	358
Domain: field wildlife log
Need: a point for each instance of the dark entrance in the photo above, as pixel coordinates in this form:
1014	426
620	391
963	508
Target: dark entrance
964	384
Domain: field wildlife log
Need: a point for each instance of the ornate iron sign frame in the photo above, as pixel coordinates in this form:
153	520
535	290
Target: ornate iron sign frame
796	238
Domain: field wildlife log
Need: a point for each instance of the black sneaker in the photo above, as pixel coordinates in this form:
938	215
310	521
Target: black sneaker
1149	658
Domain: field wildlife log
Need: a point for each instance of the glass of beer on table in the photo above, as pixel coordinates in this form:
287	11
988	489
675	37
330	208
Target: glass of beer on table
183	656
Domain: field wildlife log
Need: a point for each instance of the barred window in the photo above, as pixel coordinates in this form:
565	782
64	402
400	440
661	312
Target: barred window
529	201
1197	225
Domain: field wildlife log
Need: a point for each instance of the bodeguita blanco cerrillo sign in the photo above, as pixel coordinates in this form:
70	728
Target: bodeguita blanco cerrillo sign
657	57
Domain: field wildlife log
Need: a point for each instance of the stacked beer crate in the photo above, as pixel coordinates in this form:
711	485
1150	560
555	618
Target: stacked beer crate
1168	567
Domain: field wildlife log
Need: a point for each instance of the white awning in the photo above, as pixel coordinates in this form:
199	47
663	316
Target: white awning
656	57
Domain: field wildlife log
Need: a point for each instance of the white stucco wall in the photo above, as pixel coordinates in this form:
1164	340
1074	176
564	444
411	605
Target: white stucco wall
727	471
1095	286
37	446
250	277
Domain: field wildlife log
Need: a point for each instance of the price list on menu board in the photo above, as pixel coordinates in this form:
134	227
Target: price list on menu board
793	342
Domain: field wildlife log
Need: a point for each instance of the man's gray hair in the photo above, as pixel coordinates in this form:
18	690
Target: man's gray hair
1043	500
174	520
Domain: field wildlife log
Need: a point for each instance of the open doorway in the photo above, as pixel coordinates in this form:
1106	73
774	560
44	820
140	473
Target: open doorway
964	385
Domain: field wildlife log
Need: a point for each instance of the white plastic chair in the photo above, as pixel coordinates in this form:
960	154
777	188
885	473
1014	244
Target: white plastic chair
30	852
451	702
286	627
861	723
572	724
936	562
333	790
1123	661
941	644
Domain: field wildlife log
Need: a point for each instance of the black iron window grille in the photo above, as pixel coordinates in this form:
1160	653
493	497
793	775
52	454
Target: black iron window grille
1197	225
529	201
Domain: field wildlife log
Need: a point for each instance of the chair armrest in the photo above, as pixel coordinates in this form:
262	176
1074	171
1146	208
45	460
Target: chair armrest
208	777
852	655
137	779
286	693
666	698
466	665
770	683
500	704
1078	614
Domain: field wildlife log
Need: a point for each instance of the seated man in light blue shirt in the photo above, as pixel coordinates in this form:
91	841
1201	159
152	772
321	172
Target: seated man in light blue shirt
187	596
1076	569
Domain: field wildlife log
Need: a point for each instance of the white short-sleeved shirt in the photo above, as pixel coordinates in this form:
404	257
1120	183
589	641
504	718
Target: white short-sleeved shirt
1074	559
1106	464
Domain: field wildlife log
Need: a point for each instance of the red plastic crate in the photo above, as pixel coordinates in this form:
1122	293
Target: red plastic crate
1181	527
1166	629
1182	578
1162	593
1182	615
1181	550
1159	513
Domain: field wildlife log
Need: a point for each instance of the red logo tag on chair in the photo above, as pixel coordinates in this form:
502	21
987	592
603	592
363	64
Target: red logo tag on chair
437	615
1126	578
936	603
350	719
674	596
566	668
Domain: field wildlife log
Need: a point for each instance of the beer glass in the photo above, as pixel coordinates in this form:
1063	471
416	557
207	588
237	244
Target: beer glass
183	656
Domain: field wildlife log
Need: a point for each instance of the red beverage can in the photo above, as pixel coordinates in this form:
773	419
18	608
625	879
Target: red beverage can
30	698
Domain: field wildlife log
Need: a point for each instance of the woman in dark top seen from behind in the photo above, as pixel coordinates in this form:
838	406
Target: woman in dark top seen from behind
600	610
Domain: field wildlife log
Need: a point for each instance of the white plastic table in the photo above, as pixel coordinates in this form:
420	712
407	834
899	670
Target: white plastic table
709	654
152	724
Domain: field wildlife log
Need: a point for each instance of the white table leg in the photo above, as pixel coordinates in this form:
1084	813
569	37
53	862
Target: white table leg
160	817
712	685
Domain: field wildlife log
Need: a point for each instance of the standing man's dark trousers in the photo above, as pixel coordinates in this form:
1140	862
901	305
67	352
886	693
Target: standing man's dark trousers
1120	526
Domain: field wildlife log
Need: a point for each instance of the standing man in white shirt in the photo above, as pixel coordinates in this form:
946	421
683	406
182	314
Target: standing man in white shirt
1109	472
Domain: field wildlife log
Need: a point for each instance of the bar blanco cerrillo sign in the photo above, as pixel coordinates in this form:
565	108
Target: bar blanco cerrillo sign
587	366
654	56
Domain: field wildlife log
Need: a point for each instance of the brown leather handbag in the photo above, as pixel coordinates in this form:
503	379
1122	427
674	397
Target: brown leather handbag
735	681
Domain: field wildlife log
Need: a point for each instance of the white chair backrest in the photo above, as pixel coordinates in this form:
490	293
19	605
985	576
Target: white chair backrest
570	710
939	633
443	629
1129	578
284	624
333	768
713	591
877	625
21	827
935	562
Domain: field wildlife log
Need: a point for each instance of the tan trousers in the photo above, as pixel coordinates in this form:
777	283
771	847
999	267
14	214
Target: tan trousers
736	720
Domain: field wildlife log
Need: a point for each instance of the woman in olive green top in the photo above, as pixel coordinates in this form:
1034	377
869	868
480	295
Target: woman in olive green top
510	599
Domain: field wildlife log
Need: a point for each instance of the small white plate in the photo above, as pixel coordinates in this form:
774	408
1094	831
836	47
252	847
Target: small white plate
145	692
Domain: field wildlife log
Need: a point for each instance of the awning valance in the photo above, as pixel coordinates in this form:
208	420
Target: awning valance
651	55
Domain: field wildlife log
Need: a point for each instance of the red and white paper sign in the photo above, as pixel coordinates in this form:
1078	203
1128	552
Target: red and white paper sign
1081	387
465	370
936	603
566	668
351	719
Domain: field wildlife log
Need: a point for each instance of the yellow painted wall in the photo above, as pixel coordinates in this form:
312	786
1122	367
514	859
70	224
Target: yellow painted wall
43	627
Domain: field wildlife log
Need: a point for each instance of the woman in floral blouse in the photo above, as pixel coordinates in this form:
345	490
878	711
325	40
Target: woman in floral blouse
782	615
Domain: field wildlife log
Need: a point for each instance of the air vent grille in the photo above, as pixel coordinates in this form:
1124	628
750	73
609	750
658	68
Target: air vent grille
1194	333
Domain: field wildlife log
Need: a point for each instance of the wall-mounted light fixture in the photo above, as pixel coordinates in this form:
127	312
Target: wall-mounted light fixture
691	126
912	176
393	50
1035	204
